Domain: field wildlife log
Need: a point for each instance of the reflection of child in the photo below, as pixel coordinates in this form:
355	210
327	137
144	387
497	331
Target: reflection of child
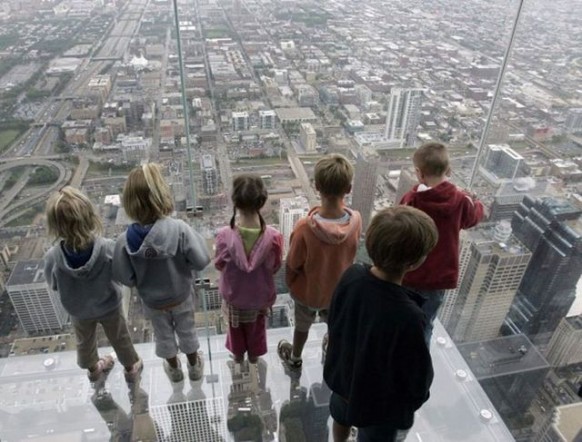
322	246
378	365
248	253
79	269
157	255
452	210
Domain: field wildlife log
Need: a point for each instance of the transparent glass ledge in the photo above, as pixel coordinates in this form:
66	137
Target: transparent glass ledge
48	398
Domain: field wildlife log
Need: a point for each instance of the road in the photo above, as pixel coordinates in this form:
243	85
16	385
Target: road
26	203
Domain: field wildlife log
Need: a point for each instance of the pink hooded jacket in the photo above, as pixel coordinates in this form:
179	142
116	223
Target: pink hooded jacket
246	282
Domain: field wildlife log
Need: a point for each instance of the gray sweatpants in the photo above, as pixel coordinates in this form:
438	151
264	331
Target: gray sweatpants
169	323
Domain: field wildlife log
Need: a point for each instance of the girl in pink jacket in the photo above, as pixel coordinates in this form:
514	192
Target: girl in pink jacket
248	253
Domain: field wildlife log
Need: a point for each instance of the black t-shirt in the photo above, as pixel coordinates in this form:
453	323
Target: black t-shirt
377	358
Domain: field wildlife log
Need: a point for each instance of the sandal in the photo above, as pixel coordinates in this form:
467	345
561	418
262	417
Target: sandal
285	352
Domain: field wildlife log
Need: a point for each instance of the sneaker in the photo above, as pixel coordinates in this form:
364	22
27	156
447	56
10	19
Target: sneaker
103	366
132	376
174	374
196	371
285	352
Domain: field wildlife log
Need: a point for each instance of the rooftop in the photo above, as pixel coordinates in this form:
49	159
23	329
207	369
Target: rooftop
47	397
567	422
27	272
502	356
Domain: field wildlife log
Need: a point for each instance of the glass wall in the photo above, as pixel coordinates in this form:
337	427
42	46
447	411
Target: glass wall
209	89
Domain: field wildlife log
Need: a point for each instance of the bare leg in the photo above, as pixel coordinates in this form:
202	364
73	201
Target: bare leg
192	358
340	433
173	362
299	340
253	359
239	359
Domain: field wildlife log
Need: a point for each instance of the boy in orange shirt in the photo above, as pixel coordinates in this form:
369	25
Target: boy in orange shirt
322	246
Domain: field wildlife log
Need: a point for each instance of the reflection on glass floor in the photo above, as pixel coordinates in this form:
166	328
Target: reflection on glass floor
47	398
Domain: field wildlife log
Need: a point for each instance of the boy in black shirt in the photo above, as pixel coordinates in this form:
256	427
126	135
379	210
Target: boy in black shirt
378	364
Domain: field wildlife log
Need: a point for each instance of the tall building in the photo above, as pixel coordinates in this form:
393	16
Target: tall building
511	193
503	163
291	210
240	121
563	425
403	116
552	230
565	347
492	264
209	174
510	369
38	307
308	137
574	120
268	119
364	188
406	182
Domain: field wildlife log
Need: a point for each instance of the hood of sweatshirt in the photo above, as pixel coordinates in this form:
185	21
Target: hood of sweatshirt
440	199
260	252
333	232
161	241
91	267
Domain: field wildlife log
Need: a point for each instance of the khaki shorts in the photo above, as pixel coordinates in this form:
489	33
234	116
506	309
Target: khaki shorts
305	316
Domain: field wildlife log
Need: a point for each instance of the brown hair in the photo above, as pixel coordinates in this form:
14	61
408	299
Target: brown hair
70	215
248	194
399	237
333	175
432	159
146	195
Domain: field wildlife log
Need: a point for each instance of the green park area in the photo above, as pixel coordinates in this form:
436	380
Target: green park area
7	136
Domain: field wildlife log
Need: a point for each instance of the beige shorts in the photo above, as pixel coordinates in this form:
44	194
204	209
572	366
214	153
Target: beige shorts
305	316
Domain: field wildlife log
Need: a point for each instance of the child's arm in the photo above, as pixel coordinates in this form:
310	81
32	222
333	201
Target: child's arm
472	211
296	257
194	247
122	269
48	273
414	363
221	256
277	253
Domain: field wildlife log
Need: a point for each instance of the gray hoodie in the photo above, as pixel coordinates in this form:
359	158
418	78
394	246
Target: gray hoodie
161	269
87	292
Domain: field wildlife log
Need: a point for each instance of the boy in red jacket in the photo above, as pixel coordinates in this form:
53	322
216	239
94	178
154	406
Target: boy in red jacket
452	209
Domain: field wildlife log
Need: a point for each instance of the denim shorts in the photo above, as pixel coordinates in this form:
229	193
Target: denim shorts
338	408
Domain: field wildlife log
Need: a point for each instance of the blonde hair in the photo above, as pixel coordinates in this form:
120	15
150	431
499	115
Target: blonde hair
146	195
333	175
71	216
399	237
432	159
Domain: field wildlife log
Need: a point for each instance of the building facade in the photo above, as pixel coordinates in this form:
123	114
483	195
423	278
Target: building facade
551	230
308	137
39	308
364	188
291	210
565	347
403	116
492	264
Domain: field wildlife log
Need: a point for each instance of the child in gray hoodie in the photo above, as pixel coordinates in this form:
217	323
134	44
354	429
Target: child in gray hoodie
157	255
79	269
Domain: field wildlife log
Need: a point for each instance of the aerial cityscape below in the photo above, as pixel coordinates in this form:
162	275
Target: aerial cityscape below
89	89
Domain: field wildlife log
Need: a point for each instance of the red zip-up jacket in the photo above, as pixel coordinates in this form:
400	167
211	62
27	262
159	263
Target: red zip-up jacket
452	210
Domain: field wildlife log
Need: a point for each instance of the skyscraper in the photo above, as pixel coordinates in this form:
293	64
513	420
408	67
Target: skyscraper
403	116
565	347
492	265
291	210
39	308
406	182
364	189
552	230
209	174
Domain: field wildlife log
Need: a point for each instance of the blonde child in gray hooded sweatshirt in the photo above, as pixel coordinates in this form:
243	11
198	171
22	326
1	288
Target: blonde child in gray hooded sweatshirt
79	268
157	255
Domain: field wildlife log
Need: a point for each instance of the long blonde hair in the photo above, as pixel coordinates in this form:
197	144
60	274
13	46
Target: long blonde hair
146	195
71	216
